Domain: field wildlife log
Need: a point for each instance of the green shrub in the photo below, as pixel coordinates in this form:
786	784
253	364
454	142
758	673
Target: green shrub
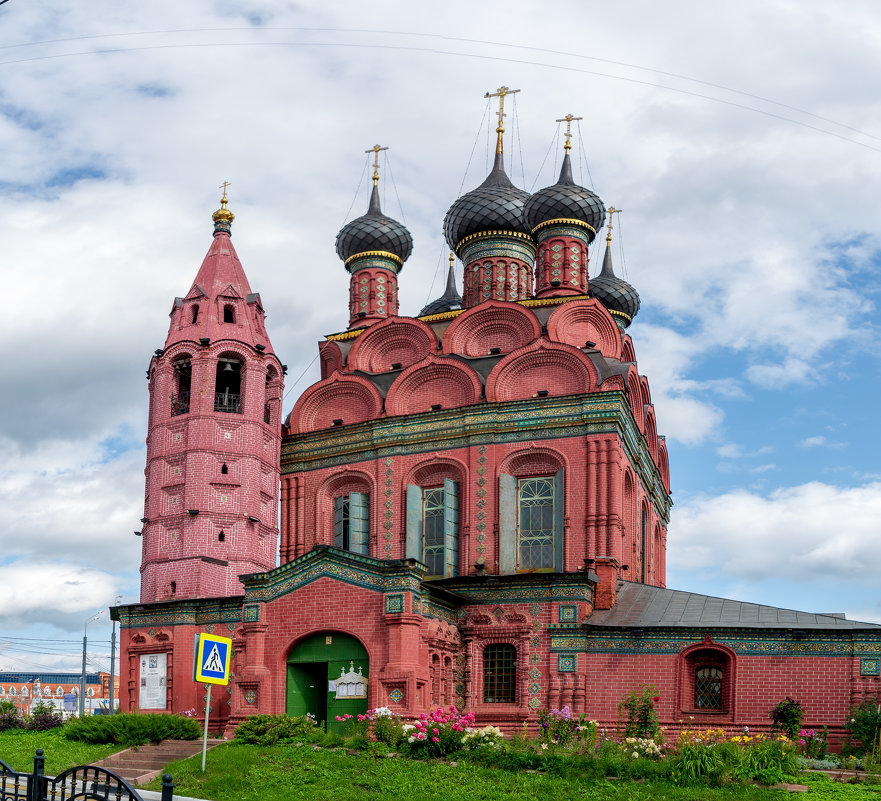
699	763
767	762
10	719
131	729
786	717
272	729
44	717
865	724
637	715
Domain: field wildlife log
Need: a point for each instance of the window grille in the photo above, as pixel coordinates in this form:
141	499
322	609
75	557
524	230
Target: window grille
708	688
499	674
536	501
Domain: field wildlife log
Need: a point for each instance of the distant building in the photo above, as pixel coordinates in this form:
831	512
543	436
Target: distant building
27	689
474	501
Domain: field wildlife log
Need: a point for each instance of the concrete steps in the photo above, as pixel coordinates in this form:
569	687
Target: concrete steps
144	763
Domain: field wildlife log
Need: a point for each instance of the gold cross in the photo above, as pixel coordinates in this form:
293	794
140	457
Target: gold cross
612	210
568	120
375	150
500	94
223	186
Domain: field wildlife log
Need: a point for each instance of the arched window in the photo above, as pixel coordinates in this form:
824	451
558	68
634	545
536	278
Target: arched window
433	527
708	688
499	674
59	691
229	313
224	470
228	386
351	522
180	398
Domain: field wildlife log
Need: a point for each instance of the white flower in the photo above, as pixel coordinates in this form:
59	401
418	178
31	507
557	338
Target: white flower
411	739
544	746
635	755
407	727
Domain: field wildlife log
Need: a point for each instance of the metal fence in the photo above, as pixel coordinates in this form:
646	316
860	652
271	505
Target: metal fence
81	782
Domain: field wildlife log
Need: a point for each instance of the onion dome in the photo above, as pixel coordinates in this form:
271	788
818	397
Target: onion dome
374	233
619	297
223	217
565	201
496	205
451	300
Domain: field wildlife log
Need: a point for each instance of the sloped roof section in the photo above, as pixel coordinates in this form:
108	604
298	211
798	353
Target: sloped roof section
641	605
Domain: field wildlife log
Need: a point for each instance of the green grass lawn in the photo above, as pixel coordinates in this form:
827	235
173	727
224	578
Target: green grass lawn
17	748
280	773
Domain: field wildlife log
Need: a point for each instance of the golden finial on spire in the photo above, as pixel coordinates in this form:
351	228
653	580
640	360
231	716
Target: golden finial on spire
452	259
500	94
375	150
568	119
612	210
223	214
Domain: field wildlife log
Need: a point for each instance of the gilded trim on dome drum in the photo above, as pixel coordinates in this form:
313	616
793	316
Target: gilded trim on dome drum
447	315
616	313
564	221
515	234
345	335
533	302
384	253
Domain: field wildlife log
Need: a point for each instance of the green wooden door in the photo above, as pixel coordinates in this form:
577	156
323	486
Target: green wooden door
316	662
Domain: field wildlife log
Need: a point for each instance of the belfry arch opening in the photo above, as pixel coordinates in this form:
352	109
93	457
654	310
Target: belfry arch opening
180	397
228	386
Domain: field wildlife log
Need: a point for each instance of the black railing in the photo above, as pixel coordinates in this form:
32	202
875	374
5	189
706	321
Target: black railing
82	782
227	402
180	404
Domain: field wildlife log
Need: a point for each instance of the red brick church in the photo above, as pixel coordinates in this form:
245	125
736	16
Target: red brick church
473	500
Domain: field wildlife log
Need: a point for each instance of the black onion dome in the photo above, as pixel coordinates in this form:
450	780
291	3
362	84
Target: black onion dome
613	292
565	200
496	205
374	231
451	300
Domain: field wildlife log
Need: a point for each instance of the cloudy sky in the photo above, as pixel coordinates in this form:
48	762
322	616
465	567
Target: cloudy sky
743	142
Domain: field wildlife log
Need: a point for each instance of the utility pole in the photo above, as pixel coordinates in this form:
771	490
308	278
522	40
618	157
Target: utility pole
83	677
113	659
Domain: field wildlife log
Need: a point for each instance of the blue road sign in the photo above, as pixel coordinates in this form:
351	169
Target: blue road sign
212	659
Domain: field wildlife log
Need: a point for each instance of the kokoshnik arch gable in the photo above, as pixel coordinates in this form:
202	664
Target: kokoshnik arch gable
474	501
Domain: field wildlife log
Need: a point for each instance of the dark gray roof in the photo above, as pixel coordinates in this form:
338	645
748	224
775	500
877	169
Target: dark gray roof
374	231
565	200
451	300
495	205
642	606
614	292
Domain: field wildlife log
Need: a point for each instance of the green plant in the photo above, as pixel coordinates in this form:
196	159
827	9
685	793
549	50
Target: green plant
786	717
637	715
43	717
813	742
439	733
10	719
272	729
698	763
557	726
767	761
864	725
131	729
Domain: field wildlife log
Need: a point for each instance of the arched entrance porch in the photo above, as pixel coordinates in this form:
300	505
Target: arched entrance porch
314	668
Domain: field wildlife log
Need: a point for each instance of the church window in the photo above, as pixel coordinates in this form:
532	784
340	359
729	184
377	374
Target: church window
224	470
221	536
229	313
173	587
531	523
499	674
228	387
195	313
642	556
708	688
433	527
351	522
180	398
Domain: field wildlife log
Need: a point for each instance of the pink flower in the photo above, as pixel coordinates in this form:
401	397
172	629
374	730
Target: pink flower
339	718
435	739
435	731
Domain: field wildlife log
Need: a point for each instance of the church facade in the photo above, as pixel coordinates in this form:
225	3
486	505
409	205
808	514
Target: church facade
473	501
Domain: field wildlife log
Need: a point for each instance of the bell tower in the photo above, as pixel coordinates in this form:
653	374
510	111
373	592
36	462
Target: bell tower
214	436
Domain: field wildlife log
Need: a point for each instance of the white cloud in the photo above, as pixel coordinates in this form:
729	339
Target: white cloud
800	533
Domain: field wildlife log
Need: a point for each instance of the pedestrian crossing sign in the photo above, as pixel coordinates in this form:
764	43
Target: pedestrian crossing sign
211	659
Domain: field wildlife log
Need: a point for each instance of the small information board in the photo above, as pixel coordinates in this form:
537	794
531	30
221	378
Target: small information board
211	659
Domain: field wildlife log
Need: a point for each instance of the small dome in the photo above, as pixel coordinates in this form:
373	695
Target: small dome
451	300
223	217
374	231
565	200
613	292
496	205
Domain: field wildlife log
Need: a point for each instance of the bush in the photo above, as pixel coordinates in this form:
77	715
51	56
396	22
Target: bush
272	729
131	729
489	737
386	726
701	763
786	717
865	724
767	761
43	717
637	715
10	719
440	733
813	743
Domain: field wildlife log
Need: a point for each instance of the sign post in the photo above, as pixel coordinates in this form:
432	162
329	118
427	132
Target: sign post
211	659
